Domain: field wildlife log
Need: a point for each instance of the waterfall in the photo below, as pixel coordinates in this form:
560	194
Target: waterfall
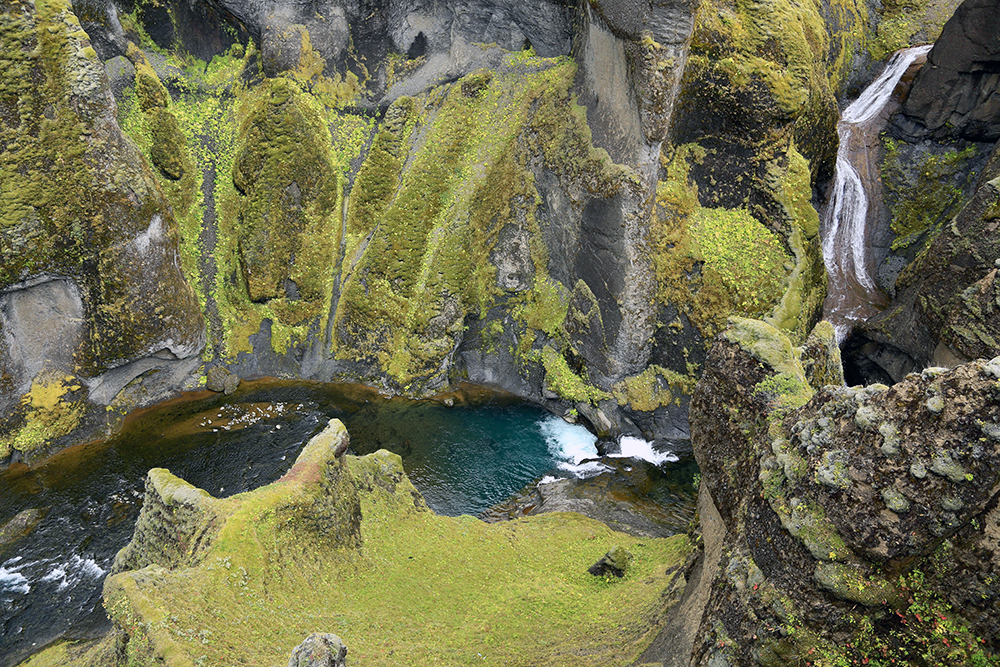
852	295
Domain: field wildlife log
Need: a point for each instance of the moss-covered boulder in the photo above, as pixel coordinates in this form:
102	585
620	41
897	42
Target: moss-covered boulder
347	545
844	508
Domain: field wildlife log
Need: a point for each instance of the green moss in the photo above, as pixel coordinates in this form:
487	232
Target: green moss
561	379
54	407
509	592
808	522
905	23
168	144
852	584
546	307
653	388
920	204
778	43
742	258
151	92
713	263
447	172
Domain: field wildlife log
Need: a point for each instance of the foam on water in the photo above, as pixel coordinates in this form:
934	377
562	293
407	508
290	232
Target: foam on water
12	581
73	571
637	448
570	445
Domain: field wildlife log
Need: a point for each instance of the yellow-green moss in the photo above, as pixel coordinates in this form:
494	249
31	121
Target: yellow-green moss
432	225
54	407
905	23
655	387
712	263
780	43
919	207
561	379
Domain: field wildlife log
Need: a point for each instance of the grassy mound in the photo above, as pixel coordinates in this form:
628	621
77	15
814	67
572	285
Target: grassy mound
351	548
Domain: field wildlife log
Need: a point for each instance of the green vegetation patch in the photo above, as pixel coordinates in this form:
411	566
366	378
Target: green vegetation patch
420	589
713	263
655	387
561	379
922	191
53	407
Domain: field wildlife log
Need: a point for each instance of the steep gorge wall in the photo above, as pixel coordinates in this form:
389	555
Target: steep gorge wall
559	202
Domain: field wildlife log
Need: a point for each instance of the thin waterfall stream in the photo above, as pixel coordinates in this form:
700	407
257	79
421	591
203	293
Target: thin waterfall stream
855	204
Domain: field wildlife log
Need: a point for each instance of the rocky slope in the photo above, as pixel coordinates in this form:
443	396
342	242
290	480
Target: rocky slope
565	202
860	523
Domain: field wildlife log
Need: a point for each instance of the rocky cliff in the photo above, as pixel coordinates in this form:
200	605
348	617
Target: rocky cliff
564	202
859	523
940	167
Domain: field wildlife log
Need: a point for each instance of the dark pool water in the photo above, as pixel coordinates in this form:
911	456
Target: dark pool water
463	459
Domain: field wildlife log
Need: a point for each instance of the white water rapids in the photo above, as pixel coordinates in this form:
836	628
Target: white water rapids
852	295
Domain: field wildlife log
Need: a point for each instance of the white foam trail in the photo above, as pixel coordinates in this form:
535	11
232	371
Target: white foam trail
570	444
13	582
637	448
71	572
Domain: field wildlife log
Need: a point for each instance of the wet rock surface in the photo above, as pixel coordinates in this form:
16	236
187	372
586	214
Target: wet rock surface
631	496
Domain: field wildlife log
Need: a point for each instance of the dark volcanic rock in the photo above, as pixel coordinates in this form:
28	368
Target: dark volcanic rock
945	309
957	94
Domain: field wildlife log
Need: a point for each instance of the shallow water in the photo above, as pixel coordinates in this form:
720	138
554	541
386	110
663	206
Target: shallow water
463	459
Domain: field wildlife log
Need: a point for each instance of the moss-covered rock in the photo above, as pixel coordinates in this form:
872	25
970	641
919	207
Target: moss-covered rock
84	226
846	500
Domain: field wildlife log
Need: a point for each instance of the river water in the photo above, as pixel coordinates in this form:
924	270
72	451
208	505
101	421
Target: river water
463	459
855	209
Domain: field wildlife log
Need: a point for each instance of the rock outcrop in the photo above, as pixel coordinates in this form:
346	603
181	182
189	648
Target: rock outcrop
958	94
943	312
859	522
92	295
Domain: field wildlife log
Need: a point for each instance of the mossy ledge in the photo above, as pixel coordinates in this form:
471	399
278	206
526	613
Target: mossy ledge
346	545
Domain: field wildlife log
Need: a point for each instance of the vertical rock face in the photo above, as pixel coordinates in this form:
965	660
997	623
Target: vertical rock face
852	514
89	274
959	94
943	311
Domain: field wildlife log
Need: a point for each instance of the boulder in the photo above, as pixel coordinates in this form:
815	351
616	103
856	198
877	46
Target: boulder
615	563
320	649
22	524
221	380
